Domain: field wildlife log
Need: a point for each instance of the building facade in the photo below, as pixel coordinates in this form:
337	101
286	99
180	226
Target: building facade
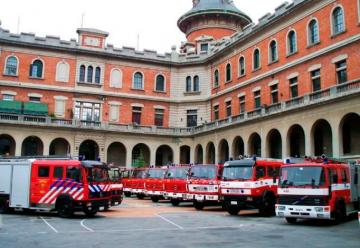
286	86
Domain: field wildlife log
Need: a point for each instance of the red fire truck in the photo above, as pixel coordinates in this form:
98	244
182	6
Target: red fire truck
116	187
204	185
154	183
175	184
250	183
61	185
126	177
137	182
327	190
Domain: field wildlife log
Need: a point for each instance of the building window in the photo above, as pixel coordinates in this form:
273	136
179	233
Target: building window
256	59
160	83
62	72
159	117
257	99
196	84
82	73
138	81
274	94
36	69
90	72
313	34
87	111
59	107
341	72
136	115
242	104
241	66
228	108
294	87
191	118
273	51
116	78
188	84
228	72
216	112
291	42
35	99
204	47
216	78
338	22
97	75
11	67
316	80
114	113
7	97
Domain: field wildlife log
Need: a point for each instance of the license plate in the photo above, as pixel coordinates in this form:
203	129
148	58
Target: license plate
233	203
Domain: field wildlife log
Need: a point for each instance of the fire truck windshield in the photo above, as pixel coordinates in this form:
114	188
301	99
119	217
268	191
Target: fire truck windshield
302	176
114	174
156	173
203	172
237	173
177	173
97	175
139	174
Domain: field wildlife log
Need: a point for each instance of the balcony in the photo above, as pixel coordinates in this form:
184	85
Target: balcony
335	92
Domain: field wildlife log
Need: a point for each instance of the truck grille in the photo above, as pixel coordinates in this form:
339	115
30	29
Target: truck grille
302	200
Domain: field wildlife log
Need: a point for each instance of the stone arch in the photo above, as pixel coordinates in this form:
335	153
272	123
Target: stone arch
321	135
185	154
254	144
238	147
59	146
296	141
199	154
164	155
7	145
140	156
349	137
223	149
116	154
89	150
210	153
32	146
274	144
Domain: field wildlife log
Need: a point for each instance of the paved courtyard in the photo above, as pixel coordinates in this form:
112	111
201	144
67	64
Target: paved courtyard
141	223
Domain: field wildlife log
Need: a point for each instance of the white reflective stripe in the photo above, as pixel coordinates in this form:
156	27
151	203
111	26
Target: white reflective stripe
302	191
80	197
341	186
47	195
78	193
248	184
92	188
54	195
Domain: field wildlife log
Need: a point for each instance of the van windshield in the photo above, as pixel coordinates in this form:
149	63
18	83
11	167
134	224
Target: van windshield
203	171
302	176
237	173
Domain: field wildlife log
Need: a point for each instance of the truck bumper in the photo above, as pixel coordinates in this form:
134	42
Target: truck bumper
303	212
154	193
242	201
202	197
180	196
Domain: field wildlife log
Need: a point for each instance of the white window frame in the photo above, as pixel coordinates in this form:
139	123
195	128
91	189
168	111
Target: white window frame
309	43
60	100
288	53
332	20
116	108
159	74
253	64
111	79
133	81
270	52
218	83
17	67
43	69
67	76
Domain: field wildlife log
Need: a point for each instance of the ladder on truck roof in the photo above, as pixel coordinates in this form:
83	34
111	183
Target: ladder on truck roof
23	158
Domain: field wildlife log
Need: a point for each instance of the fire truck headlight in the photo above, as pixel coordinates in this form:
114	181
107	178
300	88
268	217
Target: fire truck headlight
319	209
281	208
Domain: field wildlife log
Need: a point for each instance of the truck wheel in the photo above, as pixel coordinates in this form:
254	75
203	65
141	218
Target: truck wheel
199	205
4	206
155	199
175	202
91	212
291	220
140	196
65	208
233	210
268	206
127	194
340	212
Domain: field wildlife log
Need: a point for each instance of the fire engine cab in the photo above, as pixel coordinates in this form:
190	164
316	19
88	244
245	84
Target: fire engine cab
313	190
250	183
154	183
137	182
61	185
116	187
175	184
126	175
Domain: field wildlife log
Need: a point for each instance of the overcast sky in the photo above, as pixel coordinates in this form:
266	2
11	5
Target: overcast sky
154	20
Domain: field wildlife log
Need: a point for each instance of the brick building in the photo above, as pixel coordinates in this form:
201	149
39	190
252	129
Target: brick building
286	86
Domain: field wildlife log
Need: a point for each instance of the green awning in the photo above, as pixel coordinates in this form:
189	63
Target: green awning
32	108
10	107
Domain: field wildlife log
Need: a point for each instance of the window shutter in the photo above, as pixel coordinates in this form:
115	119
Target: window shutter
114	113
59	108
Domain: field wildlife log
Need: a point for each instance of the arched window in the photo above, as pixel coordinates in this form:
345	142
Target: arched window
188	84
36	69
216	78
116	78
62	72
97	75
196	84
82	73
241	66
90	72
338	23
138	81
228	72
256	59
11	67
291	41
313	32
160	83
273	51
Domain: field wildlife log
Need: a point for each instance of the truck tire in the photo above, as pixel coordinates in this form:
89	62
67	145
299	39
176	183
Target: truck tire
155	199
233	210
291	220
140	196
127	194
175	202
199	205
4	206
267	208
91	212
340	212
64	207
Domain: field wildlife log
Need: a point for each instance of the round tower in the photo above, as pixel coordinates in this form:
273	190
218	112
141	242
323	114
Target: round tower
212	18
